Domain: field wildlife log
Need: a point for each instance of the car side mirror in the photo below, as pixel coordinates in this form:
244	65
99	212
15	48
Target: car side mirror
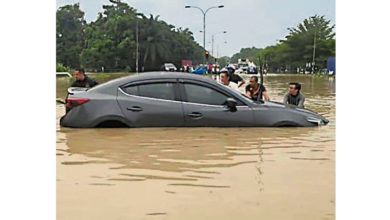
231	104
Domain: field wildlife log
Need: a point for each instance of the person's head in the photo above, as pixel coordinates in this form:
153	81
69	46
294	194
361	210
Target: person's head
224	78
80	74
230	69
294	88
253	81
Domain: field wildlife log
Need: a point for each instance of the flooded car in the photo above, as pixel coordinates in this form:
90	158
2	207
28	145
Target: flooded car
161	99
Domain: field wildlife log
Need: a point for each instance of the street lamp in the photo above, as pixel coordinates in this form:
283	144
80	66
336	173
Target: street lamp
204	12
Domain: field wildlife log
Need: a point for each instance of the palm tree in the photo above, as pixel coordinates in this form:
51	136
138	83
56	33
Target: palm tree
154	40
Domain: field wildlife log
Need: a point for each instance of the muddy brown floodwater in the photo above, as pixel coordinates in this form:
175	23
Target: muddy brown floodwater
202	173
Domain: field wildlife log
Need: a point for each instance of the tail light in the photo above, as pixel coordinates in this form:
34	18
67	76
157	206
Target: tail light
73	102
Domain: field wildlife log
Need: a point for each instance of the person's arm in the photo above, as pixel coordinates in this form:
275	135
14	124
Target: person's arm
95	82
241	83
301	101
266	97
285	100
92	82
240	79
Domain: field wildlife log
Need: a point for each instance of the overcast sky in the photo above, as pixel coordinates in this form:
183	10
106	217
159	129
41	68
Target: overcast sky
248	23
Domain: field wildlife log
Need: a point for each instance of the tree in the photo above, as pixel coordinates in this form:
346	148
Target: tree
297	48
223	61
110	40
246	53
300	41
70	27
155	41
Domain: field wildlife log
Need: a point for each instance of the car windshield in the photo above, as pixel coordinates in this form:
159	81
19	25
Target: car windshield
169	65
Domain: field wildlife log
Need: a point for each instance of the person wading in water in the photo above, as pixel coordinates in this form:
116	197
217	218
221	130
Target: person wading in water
234	77
294	96
83	80
255	90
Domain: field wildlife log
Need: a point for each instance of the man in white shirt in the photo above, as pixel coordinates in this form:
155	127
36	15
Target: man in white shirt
225	81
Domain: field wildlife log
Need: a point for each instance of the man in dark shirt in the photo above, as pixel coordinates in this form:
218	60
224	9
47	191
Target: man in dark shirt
83	80
234	77
294	97
255	90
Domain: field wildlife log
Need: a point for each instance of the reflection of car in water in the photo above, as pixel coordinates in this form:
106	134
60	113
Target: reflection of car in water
160	99
168	67
120	147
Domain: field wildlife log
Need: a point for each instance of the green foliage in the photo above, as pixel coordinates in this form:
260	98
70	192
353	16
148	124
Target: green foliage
297	49
248	53
223	61
70	26
61	68
110	40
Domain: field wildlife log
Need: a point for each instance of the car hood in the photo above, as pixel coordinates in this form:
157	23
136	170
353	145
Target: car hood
305	112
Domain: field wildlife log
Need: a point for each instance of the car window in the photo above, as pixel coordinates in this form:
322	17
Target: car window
131	90
153	90
204	95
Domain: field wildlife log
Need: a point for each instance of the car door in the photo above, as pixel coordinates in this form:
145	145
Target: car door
152	103
203	105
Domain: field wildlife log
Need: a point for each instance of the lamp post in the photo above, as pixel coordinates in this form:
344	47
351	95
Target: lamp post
204	12
136	53
212	40
314	52
137	47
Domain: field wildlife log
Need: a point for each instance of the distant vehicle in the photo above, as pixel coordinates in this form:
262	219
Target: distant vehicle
160	99
169	67
245	66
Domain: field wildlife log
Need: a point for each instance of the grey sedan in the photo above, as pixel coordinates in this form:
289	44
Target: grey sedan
171	99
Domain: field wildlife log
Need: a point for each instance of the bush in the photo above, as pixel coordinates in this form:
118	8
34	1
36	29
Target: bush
61	68
128	69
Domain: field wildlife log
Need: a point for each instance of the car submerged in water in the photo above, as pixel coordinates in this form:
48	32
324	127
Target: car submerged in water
172	99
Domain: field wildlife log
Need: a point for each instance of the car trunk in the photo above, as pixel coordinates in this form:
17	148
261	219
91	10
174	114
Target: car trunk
74	99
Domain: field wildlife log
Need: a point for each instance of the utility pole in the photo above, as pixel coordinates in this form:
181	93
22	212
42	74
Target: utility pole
212	44
204	31
137	53
213	40
314	52
137	42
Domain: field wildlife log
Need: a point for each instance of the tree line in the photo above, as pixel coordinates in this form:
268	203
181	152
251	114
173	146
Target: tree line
312	40
109	43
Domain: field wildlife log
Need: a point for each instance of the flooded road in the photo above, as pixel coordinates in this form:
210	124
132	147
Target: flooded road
202	173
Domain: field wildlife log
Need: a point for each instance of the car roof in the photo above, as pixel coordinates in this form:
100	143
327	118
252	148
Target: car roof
166	75
155	75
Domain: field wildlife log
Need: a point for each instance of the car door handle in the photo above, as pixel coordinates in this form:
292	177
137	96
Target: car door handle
195	115
135	109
